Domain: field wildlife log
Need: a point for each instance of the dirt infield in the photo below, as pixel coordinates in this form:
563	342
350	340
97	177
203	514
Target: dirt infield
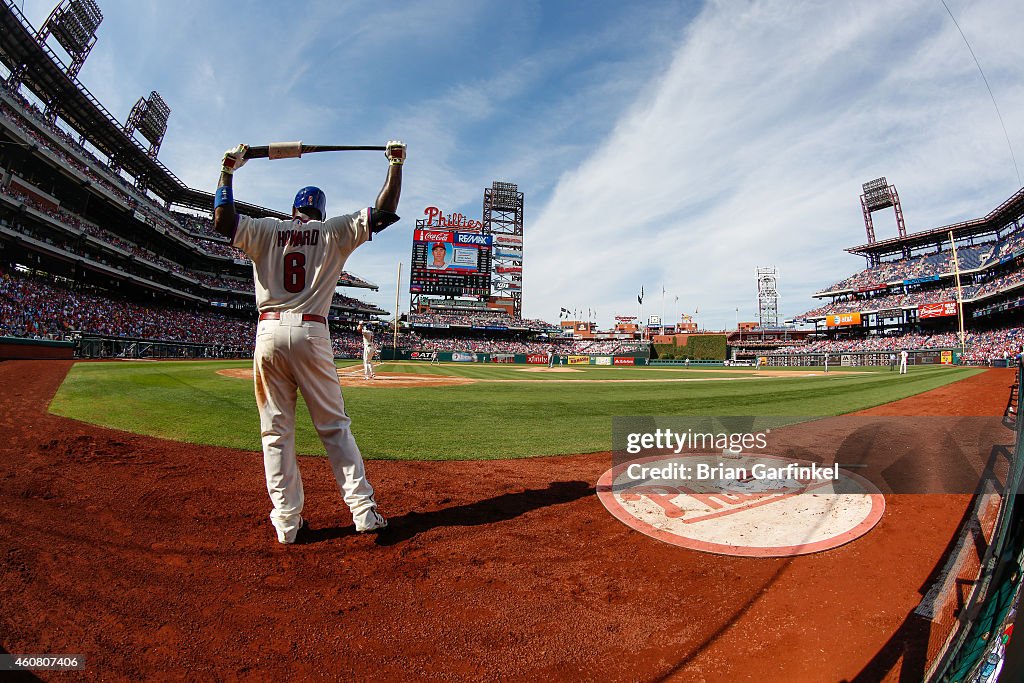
155	560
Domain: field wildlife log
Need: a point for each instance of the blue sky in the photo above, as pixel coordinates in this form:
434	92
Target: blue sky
677	145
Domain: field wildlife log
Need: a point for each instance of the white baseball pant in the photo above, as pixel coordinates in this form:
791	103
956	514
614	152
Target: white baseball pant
298	355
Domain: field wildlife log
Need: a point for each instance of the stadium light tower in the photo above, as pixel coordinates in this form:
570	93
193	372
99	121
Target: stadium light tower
767	298
149	117
73	24
879	194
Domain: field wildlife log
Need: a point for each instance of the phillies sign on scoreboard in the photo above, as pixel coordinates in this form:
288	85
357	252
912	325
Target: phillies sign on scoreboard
434	216
938	310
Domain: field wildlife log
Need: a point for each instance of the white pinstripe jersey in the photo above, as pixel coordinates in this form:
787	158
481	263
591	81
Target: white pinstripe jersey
296	265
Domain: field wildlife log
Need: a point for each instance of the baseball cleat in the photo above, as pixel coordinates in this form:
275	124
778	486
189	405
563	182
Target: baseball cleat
300	537
377	522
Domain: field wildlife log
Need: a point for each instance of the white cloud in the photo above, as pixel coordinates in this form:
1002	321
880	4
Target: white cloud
750	151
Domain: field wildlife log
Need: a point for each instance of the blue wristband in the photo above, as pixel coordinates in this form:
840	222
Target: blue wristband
223	196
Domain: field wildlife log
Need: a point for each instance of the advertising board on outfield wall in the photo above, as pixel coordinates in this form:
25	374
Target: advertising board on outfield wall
842	319
603	360
537	359
579	360
624	360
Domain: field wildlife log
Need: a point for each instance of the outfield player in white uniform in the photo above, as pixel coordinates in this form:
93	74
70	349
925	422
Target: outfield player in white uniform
903	361
368	351
296	264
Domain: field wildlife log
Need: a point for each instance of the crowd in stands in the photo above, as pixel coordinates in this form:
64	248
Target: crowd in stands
939	263
71	246
874	343
36	307
478	318
1009	244
608	346
994	344
999	283
980	346
350	302
350	280
850	303
889	301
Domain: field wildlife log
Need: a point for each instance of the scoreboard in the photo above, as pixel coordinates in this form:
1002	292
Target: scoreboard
450	263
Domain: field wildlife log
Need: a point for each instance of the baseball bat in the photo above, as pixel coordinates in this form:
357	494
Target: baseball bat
290	150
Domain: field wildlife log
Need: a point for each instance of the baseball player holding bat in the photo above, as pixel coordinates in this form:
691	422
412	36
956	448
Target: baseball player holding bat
296	265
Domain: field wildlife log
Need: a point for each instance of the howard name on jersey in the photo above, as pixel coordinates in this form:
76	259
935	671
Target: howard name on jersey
297	238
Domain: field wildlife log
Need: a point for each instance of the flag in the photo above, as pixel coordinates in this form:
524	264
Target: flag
677	299
640	297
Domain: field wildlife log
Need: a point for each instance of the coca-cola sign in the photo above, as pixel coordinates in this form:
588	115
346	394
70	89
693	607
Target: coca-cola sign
433	236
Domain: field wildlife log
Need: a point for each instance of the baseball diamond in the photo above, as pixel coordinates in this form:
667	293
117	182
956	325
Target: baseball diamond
100	507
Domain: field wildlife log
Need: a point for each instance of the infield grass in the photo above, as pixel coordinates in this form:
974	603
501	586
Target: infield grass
188	401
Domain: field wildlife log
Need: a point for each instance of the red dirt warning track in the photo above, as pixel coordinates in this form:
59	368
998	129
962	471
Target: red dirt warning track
155	560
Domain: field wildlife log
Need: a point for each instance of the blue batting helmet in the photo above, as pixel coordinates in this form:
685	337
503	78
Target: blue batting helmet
312	197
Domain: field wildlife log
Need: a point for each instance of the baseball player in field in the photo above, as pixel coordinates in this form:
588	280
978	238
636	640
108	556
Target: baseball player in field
903	361
296	264
368	351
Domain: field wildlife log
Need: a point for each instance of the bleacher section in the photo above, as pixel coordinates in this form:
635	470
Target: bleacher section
68	215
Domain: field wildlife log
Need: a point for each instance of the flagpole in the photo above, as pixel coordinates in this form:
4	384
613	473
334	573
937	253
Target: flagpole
398	294
662	307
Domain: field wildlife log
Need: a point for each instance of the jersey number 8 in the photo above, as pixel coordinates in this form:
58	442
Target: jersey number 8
294	272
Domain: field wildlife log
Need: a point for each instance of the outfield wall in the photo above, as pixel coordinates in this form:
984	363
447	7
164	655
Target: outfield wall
863	358
514	358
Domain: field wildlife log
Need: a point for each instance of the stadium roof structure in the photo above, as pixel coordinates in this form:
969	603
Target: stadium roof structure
347	279
46	76
998	220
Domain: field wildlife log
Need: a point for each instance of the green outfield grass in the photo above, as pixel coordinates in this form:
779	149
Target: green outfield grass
189	402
